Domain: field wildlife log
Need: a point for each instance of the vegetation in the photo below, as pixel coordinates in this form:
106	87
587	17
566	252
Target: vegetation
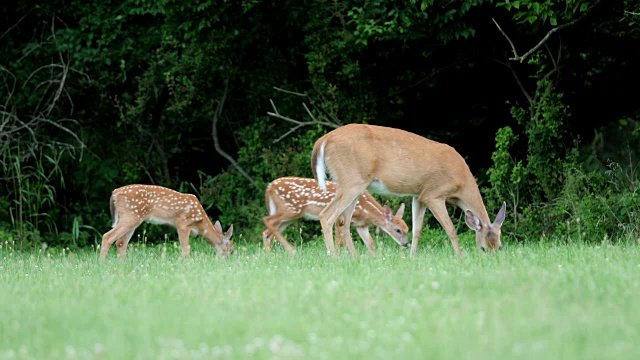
219	97
526	302
204	97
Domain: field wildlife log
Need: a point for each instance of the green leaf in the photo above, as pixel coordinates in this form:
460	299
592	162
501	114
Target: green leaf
536	7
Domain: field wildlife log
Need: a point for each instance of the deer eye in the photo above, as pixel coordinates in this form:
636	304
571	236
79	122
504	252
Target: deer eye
398	231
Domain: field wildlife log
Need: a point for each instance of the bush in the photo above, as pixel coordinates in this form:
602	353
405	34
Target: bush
593	206
238	201
552	192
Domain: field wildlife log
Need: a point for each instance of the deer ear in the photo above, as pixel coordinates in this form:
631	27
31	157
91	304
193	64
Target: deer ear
386	212
229	232
472	220
501	214
218	227
400	211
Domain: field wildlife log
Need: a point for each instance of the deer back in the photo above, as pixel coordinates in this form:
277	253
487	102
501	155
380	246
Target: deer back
157	204
396	162
302	197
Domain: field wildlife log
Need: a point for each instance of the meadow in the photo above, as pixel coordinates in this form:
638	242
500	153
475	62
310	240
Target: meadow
529	301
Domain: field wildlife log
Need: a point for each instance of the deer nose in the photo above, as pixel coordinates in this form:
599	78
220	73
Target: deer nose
405	245
500	247
483	248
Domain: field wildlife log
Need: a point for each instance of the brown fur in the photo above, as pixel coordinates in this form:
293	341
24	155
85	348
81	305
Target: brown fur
295	197
135	204
314	160
361	156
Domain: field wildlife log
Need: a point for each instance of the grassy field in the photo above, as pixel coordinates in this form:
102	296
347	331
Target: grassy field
527	302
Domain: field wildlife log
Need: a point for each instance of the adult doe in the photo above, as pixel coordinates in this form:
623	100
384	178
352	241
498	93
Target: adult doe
396	162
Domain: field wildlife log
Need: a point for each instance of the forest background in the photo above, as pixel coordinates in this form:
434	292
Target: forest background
220	97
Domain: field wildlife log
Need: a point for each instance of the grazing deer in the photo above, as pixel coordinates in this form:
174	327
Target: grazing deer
133	204
395	162
290	198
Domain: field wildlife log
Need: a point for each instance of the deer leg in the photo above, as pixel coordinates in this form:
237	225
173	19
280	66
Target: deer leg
363	231
329	215
112	235
275	226
340	232
267	235
348	213
285	244
183	235
439	210
267	239
122	243
417	218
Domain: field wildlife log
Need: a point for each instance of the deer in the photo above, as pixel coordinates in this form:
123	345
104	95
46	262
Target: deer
132	205
392	161
290	198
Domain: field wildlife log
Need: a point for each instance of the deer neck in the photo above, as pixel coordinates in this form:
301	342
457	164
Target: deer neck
473	201
208	231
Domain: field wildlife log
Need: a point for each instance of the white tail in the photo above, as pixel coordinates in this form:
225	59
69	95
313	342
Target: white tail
133	204
396	162
290	198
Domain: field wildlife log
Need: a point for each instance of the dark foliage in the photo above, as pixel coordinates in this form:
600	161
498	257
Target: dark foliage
98	94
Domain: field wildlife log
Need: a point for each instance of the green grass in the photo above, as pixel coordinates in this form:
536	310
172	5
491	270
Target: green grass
527	302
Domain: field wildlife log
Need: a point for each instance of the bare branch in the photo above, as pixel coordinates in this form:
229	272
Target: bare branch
10	88
66	129
517	79
29	51
288	133
543	42
43	67
555	61
65	70
291	92
520	84
18	22
521	58
328	115
214	135
327	119
513	47
309	112
26	131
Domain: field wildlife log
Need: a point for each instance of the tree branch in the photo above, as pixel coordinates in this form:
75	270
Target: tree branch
555	61
291	92
26	131
328	120
18	22
521	58
517	78
520	84
513	47
214	135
